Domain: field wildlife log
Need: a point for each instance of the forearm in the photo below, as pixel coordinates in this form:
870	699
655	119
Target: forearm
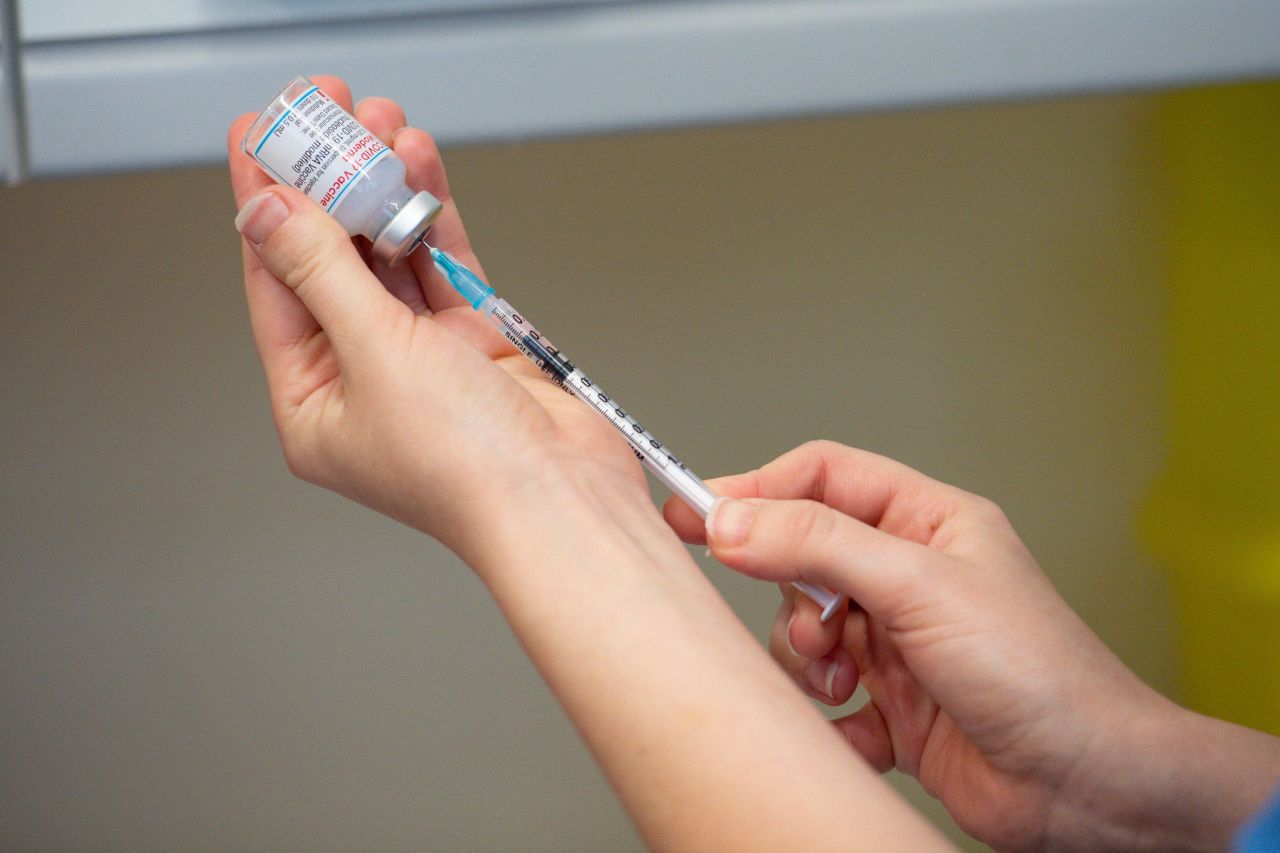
703	738
1212	777
1177	780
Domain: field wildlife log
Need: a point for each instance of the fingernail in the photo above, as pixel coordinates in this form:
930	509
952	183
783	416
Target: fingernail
261	216
821	675
729	521
790	622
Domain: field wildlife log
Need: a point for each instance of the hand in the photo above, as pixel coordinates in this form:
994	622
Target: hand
385	385
983	683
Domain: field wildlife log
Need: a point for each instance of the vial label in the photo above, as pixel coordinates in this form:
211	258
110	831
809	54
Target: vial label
317	147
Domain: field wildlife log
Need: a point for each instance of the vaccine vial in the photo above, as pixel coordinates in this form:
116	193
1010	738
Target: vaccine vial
305	140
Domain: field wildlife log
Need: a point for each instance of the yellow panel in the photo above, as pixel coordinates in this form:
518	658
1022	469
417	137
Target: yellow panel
1215	515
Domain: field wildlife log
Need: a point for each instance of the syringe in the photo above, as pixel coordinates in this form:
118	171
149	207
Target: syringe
655	456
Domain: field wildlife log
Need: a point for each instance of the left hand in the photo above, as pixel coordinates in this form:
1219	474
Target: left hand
385	385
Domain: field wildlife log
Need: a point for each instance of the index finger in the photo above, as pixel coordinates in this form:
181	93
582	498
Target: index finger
874	489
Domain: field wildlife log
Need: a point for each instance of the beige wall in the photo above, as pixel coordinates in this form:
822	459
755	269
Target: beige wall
198	652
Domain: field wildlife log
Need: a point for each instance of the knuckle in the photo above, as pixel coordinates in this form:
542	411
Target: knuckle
299	464
988	510
817	447
429	141
418	136
299	458
306	264
811	521
380	101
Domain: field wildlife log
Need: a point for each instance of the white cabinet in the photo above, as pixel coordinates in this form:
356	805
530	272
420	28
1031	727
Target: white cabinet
153	83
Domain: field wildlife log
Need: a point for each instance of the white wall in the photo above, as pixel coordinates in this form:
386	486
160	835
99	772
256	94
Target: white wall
198	652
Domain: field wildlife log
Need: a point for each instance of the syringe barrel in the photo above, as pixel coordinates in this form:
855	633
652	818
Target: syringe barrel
663	464
539	349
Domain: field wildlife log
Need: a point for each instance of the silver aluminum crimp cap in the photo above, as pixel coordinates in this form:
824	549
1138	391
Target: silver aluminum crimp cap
407	228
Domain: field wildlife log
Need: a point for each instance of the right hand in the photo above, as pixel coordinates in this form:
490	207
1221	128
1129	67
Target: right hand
983	683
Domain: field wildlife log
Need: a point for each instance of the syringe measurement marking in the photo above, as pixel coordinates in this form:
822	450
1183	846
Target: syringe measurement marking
640	440
562	371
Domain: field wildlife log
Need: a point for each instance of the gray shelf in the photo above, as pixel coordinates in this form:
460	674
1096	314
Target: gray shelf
159	90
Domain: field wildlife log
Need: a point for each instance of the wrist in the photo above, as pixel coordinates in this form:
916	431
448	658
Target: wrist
480	497
566	513
1168	779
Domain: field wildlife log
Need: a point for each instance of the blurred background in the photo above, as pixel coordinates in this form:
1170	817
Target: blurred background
1029	247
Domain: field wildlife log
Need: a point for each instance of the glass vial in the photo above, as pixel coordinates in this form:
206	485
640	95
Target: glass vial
305	140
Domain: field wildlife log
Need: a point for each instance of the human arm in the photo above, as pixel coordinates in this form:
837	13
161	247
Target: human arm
707	744
390	390
983	683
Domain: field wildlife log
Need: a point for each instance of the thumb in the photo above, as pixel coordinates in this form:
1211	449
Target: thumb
309	251
790	540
